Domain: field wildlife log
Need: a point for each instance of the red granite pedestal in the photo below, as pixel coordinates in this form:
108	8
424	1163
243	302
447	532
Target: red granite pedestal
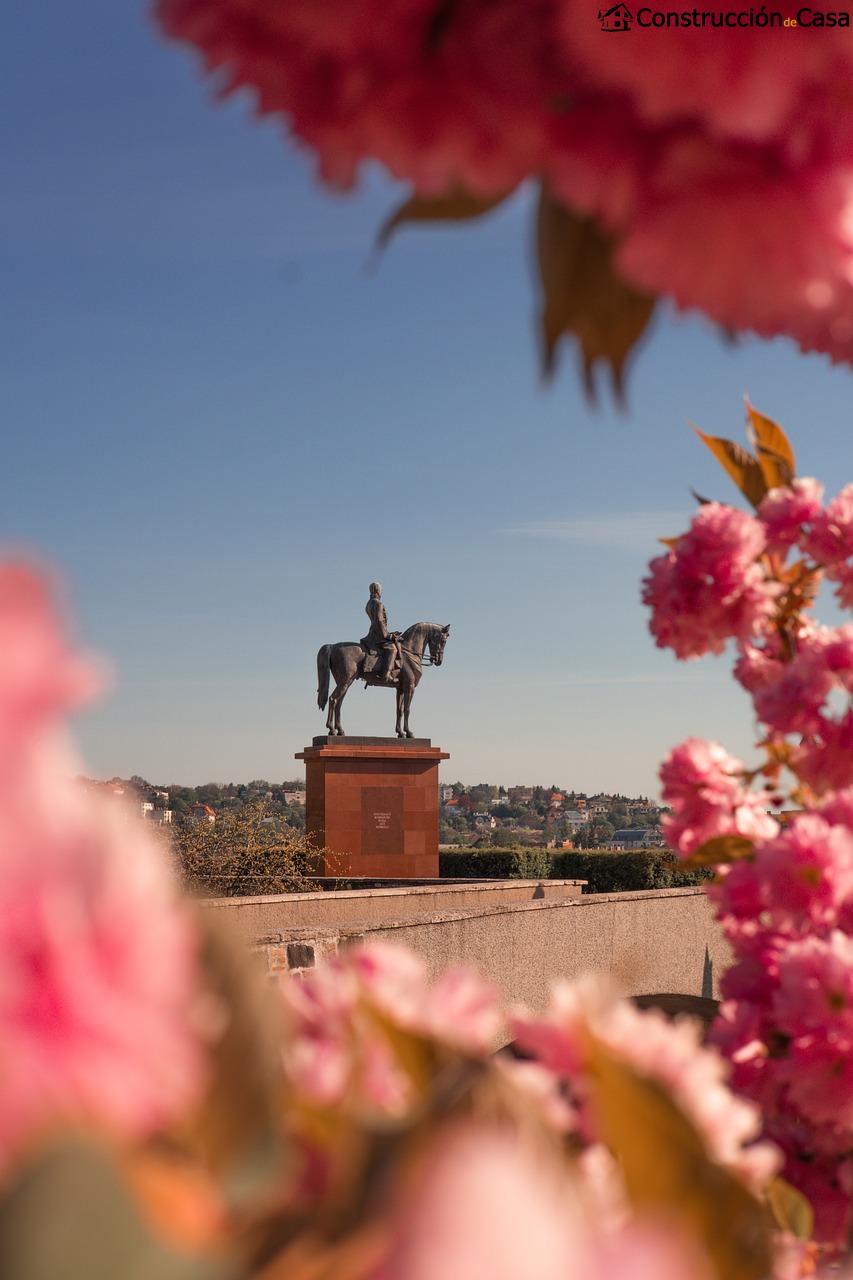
373	802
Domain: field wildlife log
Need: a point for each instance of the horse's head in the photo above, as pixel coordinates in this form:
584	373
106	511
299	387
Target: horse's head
436	640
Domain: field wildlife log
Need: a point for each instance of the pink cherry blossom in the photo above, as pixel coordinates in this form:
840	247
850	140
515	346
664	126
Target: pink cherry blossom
793	702
842	574
709	587
825	759
831	539
815	994
485	1207
486	1203
668	1052
41	677
442	103
785	511
748	83
807	872
97	1013
703	786
338	1045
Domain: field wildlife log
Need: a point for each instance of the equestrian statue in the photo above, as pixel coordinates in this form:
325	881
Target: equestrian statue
386	659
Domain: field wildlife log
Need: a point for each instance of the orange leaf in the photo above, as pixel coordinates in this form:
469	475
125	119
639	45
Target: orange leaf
584	296
775	454
455	206
740	464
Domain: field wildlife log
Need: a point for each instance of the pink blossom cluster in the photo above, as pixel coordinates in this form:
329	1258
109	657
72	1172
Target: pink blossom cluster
710	586
787	1018
486	1206
97	959
729	577
794	516
704	787
668	1052
735	137
787	910
368	1038
345	1018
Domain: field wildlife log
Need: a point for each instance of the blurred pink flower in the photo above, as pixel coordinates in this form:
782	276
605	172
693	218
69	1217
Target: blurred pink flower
443	102
709	587
96	1013
703	786
831	538
41	677
486	1207
341	1017
842	574
807	872
673	141
97	957
824	760
743	82
792	703
668	1052
785	511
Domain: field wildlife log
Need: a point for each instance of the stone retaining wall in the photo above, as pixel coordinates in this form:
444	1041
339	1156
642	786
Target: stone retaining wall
663	942
257	916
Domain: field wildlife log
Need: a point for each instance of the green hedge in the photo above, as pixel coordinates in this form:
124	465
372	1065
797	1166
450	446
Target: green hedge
605	871
496	864
620	872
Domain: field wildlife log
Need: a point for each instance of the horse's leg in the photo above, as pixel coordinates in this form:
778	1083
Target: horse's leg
410	693
341	693
399	692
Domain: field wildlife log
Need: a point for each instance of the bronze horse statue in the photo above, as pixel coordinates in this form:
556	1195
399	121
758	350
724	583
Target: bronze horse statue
345	661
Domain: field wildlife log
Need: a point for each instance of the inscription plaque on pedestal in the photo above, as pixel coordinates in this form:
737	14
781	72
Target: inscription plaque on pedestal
373	803
382	819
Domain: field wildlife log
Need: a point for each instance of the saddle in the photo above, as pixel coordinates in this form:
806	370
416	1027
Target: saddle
371	661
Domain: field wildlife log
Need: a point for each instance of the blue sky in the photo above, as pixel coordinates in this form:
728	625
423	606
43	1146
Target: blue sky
221	422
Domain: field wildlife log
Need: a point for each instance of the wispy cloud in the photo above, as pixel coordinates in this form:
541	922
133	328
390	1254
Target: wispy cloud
624	530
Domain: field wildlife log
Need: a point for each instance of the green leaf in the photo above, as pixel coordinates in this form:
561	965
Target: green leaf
740	464
668	1171
69	1216
455	206
791	1210
720	849
583	296
773	449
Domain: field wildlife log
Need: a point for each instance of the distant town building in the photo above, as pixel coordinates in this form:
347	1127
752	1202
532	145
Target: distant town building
202	813
637	838
574	818
294	797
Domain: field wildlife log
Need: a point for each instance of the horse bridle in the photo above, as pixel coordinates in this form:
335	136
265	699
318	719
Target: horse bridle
422	658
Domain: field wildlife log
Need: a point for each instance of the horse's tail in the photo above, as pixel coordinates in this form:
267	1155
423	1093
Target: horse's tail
323	675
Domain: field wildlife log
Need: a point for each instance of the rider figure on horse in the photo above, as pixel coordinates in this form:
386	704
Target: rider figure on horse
379	640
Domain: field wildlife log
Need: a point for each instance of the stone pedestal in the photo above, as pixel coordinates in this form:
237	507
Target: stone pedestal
373	802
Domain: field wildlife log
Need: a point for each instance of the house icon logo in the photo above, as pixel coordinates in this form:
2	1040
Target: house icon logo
618	18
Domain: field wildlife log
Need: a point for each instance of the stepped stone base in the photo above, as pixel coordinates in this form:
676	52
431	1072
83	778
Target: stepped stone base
373	803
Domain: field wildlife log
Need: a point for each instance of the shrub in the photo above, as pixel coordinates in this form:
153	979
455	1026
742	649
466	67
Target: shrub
496	864
621	872
243	854
605	871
